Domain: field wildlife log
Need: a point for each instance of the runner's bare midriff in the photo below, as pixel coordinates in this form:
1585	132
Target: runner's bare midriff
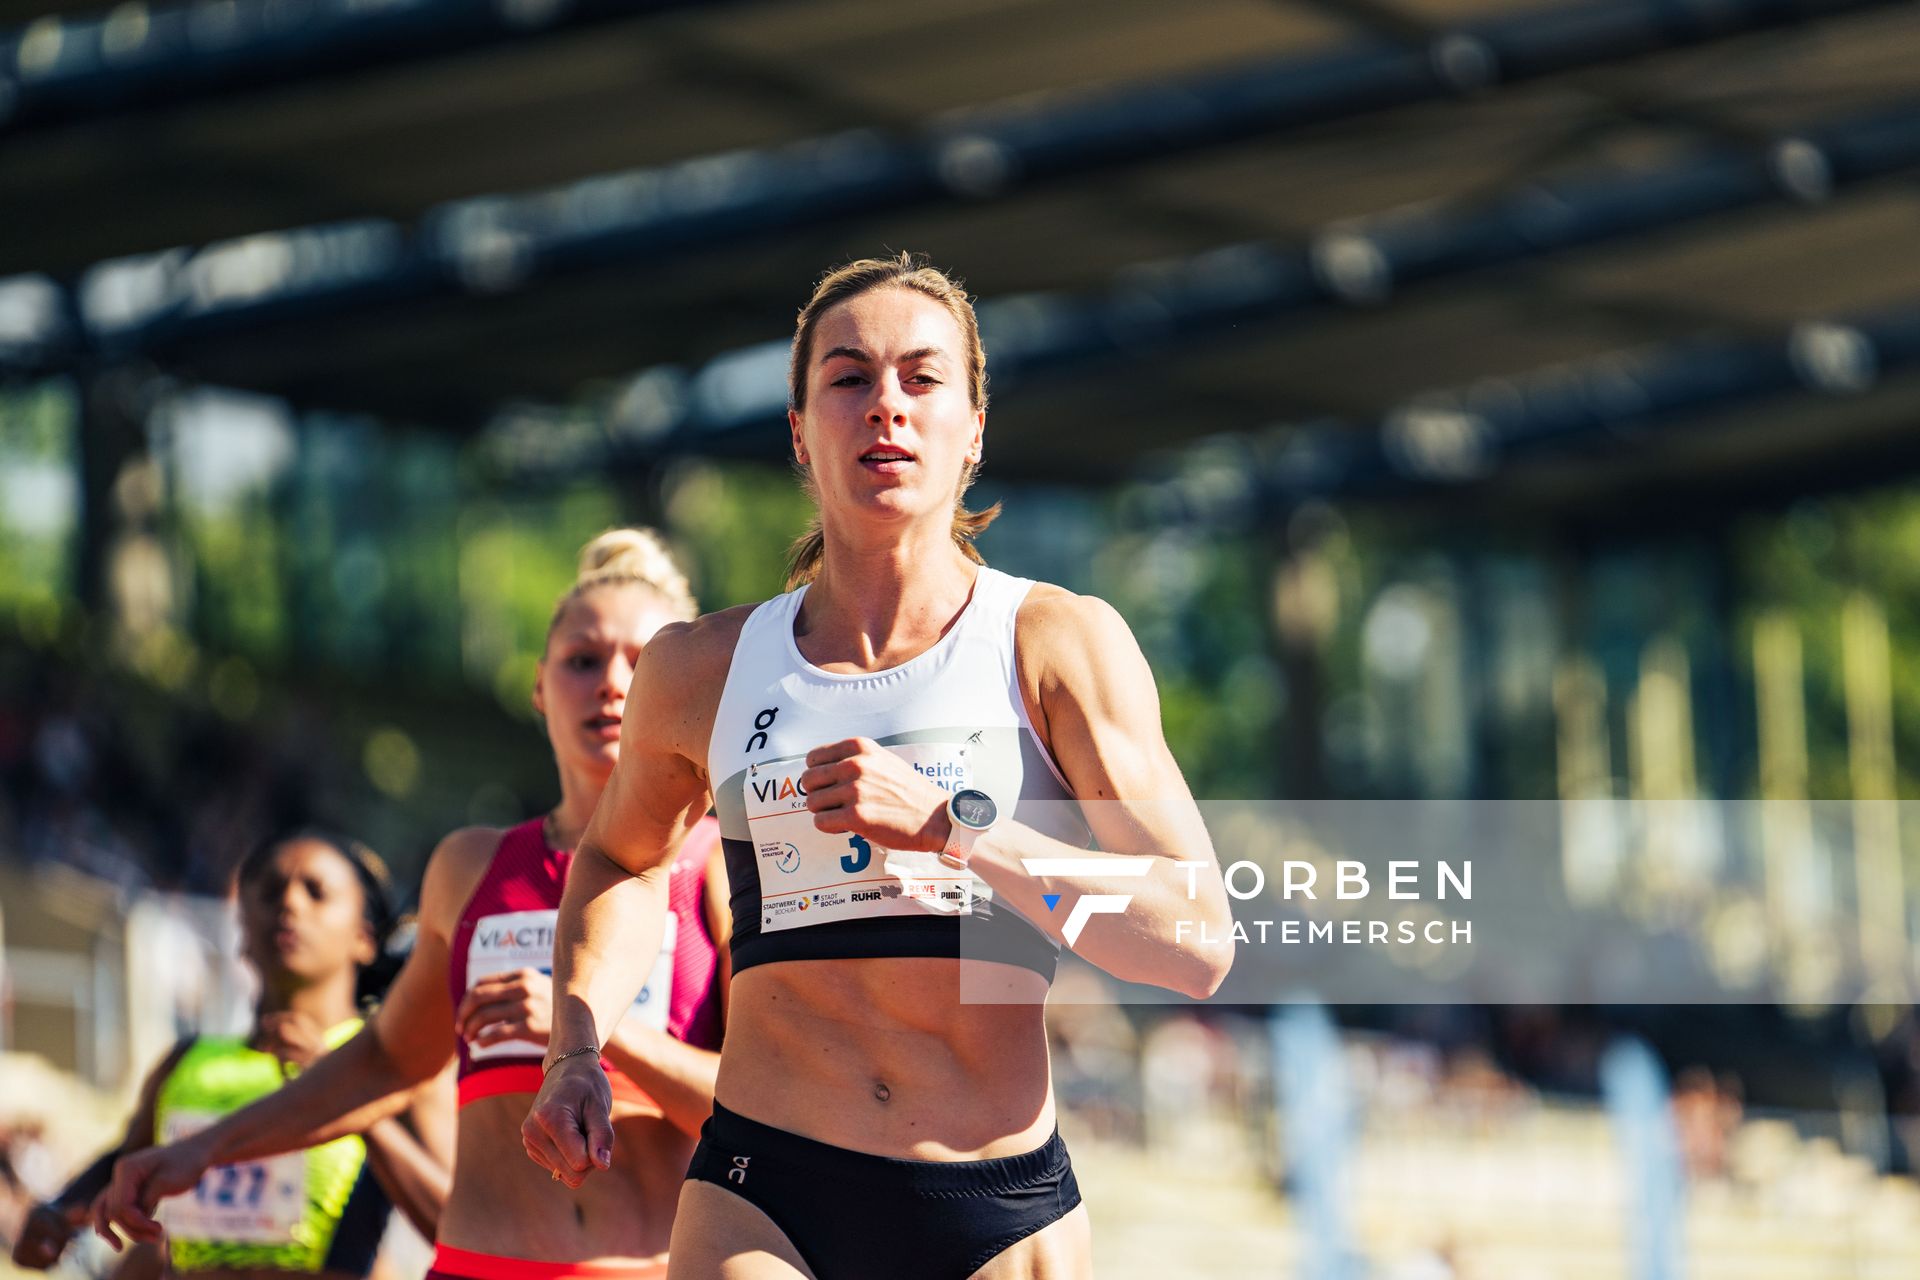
883	1056
504	1204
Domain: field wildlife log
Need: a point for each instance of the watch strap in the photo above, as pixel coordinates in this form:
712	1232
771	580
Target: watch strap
960	841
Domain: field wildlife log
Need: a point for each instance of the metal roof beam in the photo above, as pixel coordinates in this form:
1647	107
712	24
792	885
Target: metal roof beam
499	242
58	70
1467	434
734	401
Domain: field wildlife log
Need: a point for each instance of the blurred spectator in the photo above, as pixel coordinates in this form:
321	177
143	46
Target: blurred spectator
1094	1050
28	1174
91	777
33	1161
1706	1114
1475	1086
1185	1066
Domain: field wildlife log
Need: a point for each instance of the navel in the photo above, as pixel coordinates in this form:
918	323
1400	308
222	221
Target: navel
880	1091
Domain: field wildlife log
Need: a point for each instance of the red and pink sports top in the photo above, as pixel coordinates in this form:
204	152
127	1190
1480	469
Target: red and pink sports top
508	924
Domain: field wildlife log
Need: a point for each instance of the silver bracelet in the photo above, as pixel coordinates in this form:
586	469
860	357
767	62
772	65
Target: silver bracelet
571	1053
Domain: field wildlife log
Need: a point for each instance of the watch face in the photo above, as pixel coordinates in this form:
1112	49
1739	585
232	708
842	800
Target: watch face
974	808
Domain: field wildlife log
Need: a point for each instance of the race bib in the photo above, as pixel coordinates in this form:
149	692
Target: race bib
808	877
254	1202
524	940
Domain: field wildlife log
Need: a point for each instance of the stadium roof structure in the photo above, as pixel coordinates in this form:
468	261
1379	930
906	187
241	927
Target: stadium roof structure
1380	243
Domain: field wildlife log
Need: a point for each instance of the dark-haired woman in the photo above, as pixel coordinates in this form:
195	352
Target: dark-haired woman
315	915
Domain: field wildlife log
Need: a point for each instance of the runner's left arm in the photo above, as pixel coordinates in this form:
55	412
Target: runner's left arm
409	1158
1100	716
675	1074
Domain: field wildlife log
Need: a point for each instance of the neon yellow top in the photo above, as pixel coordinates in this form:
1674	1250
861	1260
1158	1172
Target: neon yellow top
281	1212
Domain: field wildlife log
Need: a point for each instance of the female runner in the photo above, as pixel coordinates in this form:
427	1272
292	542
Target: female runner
315	915
476	987
878	743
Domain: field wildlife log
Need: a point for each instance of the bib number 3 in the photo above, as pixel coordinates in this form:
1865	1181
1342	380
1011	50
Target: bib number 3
809	877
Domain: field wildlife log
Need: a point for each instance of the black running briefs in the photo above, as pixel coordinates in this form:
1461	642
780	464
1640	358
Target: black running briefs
854	1216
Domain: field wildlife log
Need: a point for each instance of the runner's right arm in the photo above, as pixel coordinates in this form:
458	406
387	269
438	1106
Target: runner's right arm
368	1079
614	910
677	1075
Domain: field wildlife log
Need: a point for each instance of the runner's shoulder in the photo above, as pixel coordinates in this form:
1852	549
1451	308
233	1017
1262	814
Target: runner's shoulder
697	654
1057	626
454	870
465	849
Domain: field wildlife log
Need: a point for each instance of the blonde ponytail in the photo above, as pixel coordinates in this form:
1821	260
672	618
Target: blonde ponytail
638	557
